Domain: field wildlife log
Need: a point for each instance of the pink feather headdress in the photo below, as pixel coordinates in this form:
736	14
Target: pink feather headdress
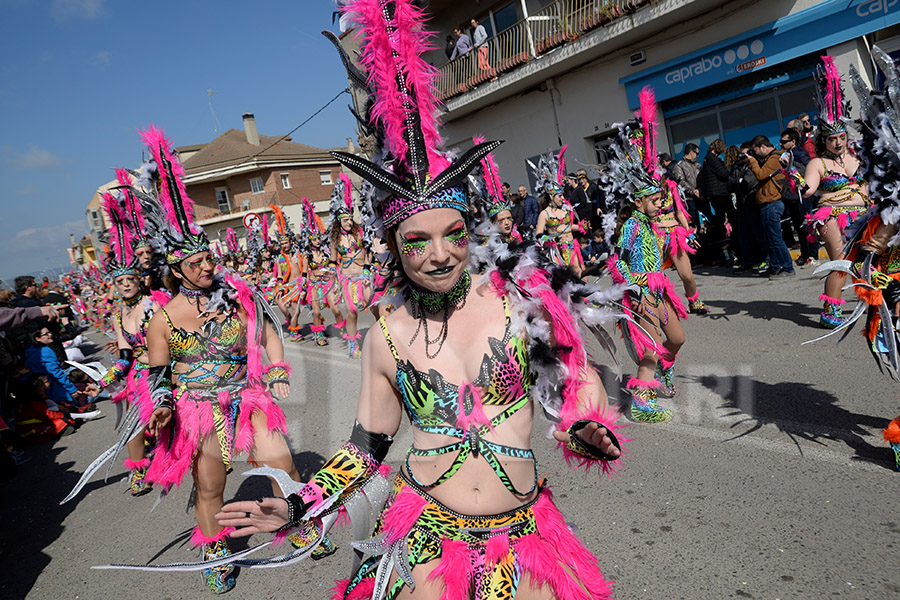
133	209
833	106
265	229
412	169
647	115
182	237
231	241
496	202
121	259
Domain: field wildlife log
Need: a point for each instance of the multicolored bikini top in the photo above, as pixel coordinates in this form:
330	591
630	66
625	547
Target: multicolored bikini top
835	181
353	251
667	207
137	341
555	222
220	343
434	406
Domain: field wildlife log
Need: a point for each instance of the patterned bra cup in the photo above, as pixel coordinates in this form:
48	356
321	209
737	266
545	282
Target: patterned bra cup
433	405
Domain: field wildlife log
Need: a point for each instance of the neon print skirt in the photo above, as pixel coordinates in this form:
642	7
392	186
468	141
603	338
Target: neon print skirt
222	412
481	557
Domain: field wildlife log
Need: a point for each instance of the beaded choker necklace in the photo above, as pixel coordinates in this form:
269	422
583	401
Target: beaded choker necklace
130	302
834	155
426	302
191	293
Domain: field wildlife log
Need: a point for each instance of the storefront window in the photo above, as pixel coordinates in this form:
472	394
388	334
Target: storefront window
700	128
764	113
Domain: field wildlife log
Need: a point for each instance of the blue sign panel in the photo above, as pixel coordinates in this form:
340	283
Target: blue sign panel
827	24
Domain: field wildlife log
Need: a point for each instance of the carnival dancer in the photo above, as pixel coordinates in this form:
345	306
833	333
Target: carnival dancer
130	328
320	276
287	274
212	393
673	222
641	188
497	206
467	515
555	223
834	175
353	261
873	247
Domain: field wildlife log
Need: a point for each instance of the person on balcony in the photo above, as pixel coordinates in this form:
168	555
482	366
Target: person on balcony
463	44
481	37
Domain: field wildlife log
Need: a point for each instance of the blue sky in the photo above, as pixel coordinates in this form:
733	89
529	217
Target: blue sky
78	78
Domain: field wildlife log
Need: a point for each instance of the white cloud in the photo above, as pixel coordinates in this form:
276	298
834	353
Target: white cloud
87	10
49	237
36	158
101	58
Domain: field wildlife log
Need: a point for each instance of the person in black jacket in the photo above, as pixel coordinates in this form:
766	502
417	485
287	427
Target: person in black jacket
716	200
752	248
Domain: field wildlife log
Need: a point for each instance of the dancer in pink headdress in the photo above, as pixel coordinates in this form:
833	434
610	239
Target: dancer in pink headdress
212	391
320	276
497	206
557	221
481	333
833	175
353	262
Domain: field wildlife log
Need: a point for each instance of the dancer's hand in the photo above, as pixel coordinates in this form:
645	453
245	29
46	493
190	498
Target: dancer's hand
280	390
593	434
159	420
92	390
251	517
112	347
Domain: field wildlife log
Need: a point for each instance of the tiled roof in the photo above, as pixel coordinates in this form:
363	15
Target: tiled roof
231	148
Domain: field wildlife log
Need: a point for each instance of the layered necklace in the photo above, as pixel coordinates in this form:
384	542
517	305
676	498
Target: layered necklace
131	302
193	296
426	302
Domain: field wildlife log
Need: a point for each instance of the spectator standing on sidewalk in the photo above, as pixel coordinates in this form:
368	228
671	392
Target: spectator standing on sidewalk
751	247
716	198
767	169
807	138
532	209
687	171
799	208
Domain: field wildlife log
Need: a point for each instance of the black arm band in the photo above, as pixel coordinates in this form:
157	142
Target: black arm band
126	354
160	381
578	446
375	444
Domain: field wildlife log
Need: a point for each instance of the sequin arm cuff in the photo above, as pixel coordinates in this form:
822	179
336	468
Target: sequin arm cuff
120	368
161	387
278	373
348	470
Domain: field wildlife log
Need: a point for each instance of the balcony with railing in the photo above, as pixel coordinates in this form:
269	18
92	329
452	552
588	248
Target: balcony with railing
206	215
554	25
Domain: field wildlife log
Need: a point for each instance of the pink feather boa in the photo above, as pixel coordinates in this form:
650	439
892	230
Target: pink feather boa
133	465
678	240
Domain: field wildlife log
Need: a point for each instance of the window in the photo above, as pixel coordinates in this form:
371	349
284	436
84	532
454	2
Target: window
256	185
285	181
222	200
96	221
325	177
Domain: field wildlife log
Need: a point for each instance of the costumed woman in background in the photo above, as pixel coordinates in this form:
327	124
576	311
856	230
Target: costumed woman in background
462	355
873	246
497	206
287	274
212	393
673	221
555	222
130	327
354	263
834	176
320	277
640	188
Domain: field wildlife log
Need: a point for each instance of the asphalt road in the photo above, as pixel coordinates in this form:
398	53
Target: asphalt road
772	481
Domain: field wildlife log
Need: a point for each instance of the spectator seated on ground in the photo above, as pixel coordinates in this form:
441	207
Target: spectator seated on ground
41	358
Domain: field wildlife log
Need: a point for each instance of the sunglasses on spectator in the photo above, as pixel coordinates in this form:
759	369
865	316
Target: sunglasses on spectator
783	142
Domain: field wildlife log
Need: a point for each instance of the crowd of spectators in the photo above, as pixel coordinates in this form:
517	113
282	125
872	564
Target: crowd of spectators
41	394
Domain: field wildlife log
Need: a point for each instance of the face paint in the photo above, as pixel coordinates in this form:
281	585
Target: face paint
459	237
413	246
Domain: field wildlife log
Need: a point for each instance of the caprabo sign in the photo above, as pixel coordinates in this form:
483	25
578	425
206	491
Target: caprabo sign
725	60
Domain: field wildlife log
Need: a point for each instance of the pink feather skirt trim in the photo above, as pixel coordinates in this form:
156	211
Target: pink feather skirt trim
196	414
489	555
819	219
677	239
